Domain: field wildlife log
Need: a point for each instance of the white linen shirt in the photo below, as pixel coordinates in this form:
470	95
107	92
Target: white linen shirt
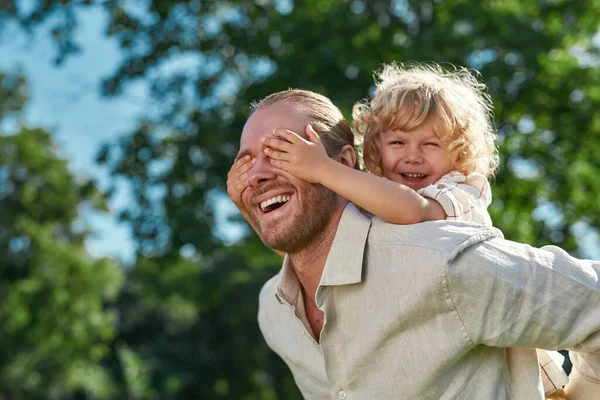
466	198
425	311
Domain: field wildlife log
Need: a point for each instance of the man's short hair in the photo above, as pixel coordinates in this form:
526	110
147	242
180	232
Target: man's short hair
326	119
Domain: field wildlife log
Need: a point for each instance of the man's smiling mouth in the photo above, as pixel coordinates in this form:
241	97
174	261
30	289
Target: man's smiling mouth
274	203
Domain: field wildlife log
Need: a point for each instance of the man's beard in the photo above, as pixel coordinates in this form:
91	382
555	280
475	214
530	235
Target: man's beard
309	222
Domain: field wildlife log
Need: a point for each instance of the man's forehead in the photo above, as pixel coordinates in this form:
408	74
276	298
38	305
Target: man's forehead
283	112
264	121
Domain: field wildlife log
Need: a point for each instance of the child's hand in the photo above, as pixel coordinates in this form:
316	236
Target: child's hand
237	179
300	157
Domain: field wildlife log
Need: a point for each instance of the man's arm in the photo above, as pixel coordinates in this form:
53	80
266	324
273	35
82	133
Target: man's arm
512	295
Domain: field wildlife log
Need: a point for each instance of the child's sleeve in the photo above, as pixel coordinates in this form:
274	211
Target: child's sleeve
463	198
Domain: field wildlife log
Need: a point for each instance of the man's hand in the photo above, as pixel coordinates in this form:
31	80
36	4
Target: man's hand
237	180
305	159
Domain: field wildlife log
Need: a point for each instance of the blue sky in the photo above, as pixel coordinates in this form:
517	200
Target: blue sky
66	101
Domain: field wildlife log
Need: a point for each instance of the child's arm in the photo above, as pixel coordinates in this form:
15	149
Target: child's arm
236	184
308	160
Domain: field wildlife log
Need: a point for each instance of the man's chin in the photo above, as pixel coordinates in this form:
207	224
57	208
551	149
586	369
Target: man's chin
292	240
276	242
294	230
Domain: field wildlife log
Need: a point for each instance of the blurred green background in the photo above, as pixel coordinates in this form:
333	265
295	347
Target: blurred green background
178	319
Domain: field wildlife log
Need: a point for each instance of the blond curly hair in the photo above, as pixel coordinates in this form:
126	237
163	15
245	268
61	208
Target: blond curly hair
454	101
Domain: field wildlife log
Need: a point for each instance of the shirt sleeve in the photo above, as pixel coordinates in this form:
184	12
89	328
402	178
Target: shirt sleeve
509	294
463	198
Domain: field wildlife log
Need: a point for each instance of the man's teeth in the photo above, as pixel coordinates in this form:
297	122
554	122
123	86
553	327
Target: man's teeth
276	199
409	175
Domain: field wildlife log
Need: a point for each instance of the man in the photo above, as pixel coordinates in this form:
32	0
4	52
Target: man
363	309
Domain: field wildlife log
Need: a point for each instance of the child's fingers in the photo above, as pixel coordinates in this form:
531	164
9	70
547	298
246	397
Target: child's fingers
277	155
312	135
237	178
242	170
238	165
242	160
243	177
288	135
280	164
234	179
242	184
247	166
235	187
276	144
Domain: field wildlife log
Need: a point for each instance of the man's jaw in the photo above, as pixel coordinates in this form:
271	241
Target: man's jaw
276	219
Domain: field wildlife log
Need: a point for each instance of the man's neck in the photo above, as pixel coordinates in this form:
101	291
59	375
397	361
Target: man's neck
309	262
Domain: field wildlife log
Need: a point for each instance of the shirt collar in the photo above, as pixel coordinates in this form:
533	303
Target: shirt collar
289	285
344	262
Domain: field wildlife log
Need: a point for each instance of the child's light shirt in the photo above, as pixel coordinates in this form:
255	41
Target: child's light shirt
466	198
463	198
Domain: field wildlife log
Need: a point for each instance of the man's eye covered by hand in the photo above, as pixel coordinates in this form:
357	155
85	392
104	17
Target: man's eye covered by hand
237	178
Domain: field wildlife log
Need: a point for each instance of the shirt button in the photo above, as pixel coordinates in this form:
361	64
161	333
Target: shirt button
342	394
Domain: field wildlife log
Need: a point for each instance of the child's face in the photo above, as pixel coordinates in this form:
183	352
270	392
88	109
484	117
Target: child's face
415	158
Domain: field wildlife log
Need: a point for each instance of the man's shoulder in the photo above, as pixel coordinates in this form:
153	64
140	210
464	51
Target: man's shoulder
269	289
266	303
448	236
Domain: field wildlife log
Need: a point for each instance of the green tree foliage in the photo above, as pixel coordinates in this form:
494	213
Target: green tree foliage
189	305
55	326
13	94
538	58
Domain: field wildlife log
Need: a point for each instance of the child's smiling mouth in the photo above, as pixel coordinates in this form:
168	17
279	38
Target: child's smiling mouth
411	175
414	180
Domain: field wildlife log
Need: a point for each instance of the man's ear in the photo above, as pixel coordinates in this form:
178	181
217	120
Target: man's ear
347	156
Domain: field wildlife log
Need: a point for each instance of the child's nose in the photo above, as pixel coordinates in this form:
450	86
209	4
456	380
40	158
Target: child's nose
413	155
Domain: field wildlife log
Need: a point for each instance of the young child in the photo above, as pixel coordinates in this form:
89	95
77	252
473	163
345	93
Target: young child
428	144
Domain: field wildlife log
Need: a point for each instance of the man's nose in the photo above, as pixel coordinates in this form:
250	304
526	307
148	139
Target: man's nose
261	172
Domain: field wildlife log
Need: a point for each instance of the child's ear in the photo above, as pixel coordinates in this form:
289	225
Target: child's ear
347	156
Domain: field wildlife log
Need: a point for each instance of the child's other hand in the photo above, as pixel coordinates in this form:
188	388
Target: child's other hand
237	179
302	158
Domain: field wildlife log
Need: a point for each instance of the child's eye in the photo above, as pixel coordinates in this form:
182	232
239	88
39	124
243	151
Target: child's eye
432	144
397	142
